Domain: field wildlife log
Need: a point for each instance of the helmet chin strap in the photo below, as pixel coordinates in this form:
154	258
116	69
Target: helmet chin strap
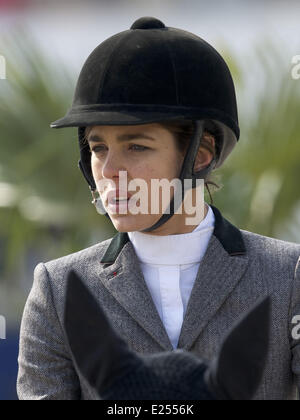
187	172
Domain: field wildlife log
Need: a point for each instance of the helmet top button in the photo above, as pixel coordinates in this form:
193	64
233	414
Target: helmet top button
148	23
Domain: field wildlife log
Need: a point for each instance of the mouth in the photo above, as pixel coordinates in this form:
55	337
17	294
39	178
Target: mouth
115	201
117	197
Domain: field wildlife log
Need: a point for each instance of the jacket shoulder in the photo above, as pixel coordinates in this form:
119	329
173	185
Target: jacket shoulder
268	249
79	258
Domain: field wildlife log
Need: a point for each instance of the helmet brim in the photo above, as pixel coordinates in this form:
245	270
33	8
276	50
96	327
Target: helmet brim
84	116
113	118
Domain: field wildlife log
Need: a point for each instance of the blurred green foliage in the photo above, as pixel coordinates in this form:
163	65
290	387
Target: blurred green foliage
261	178
44	201
45	205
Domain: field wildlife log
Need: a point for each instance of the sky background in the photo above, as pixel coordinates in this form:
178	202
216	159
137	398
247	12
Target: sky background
70	30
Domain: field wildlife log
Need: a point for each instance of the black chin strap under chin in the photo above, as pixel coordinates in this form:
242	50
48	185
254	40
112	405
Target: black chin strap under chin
187	173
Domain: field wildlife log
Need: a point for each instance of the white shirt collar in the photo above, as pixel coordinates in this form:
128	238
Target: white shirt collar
185	248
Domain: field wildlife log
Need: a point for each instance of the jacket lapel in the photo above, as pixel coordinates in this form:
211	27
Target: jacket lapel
217	276
220	270
124	279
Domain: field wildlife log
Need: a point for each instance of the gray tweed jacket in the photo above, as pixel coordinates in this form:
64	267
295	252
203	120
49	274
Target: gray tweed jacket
238	269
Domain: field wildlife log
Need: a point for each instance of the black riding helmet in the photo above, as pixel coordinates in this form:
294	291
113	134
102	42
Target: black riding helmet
153	73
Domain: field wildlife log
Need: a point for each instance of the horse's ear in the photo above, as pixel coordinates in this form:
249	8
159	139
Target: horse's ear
99	353
237	371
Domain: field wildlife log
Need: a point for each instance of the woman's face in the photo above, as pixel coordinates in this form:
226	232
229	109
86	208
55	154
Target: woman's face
145	152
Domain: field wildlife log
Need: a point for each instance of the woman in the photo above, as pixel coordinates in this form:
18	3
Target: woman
156	103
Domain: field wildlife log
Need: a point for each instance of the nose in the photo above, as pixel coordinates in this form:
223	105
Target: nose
112	165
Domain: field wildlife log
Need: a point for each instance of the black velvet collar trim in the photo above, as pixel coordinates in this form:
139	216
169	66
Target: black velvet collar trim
229	236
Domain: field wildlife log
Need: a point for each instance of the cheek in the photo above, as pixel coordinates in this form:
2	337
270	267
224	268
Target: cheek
172	165
143	171
96	171
166	166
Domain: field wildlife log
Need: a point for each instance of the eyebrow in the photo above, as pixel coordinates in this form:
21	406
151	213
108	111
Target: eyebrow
123	137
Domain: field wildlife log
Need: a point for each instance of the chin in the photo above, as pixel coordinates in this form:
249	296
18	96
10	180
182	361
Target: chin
131	223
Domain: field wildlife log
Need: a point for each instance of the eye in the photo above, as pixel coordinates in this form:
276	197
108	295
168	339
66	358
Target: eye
134	147
98	148
138	148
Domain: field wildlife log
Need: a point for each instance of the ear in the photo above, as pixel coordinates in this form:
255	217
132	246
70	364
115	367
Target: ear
237	371
100	354
204	156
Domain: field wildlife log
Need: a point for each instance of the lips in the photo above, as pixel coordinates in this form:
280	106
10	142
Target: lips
113	196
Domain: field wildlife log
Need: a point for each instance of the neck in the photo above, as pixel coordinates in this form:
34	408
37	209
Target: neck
177	225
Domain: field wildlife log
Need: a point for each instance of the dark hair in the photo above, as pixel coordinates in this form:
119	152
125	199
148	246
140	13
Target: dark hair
183	131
